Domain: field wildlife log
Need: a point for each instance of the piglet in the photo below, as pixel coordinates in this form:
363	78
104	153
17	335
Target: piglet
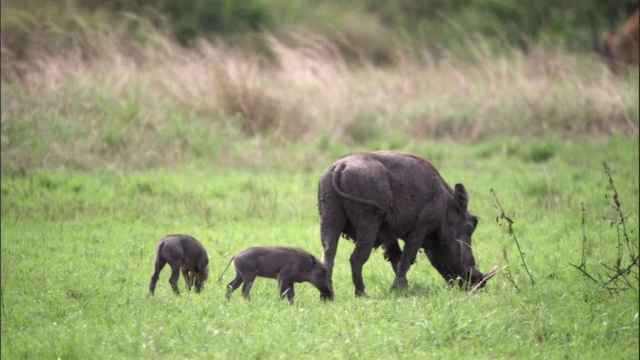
182	253
287	265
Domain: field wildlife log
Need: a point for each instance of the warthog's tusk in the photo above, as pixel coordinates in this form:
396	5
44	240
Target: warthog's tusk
486	278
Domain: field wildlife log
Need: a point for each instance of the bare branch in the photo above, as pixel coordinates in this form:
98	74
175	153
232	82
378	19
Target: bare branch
512	234
627	263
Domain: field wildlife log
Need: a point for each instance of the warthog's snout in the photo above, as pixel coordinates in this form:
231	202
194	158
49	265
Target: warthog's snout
471	279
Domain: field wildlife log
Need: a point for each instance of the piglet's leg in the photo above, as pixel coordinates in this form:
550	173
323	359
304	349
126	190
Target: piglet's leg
156	274
286	288
188	280
175	275
246	287
233	285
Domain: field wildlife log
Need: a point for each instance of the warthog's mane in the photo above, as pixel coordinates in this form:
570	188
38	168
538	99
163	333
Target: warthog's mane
421	159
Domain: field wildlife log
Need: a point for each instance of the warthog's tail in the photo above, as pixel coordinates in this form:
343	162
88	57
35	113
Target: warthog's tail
225	269
337	171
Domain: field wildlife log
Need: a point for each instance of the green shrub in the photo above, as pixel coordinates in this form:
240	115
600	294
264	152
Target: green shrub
542	151
227	17
371	30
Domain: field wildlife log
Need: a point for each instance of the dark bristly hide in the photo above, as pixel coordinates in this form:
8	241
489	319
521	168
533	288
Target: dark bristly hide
182	253
376	198
287	265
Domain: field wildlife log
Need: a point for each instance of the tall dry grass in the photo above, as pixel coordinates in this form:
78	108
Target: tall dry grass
170	104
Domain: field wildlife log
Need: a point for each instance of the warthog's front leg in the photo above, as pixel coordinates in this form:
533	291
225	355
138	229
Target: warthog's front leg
246	287
392	253
286	288
189	279
411	247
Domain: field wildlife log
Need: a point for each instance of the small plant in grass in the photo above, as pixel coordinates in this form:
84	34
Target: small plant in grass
512	234
623	273
542	151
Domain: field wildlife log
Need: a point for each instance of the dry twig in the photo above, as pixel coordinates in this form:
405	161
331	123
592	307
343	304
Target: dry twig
623	274
513	235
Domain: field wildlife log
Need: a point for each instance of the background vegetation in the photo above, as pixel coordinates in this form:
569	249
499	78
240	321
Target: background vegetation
371	28
123	121
104	83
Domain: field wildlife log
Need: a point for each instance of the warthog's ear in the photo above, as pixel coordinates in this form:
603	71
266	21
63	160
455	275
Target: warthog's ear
461	197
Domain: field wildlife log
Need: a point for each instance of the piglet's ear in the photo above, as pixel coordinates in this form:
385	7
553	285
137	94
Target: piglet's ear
461	197
313	259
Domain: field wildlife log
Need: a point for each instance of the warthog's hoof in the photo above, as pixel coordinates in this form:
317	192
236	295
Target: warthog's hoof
399	284
326	296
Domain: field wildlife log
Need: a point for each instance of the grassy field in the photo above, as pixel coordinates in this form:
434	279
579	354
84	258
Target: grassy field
119	140
77	255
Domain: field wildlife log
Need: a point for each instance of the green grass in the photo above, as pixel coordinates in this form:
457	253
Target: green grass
112	141
77	255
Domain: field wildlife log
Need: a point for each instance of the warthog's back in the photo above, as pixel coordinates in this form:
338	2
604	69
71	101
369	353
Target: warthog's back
269	261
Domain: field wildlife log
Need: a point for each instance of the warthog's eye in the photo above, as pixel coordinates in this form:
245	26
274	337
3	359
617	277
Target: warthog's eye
473	223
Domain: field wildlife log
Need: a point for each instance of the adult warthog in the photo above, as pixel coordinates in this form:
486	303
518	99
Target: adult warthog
182	253
377	198
287	265
622	48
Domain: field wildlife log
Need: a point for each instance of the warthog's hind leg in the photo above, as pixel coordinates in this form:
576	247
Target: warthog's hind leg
173	280
160	263
366	235
233	285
